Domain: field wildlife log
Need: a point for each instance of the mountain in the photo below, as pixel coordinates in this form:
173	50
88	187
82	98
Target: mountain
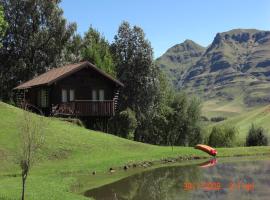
179	58
236	64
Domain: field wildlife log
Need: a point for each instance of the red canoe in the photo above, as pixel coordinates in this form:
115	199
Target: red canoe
211	151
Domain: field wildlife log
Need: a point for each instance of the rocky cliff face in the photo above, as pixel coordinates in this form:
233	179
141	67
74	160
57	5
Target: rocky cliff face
236	63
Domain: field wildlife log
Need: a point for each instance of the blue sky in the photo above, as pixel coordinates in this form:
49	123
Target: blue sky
169	22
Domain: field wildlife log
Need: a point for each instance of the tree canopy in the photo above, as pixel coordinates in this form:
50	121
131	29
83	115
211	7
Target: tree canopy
96	49
135	68
33	41
3	25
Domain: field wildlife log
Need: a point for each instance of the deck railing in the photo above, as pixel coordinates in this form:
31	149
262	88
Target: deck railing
87	108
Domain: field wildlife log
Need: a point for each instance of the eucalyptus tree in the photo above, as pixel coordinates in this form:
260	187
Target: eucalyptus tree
135	68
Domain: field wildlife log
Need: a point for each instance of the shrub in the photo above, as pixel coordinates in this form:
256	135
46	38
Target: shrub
196	136
222	136
216	137
218	119
124	124
204	118
256	136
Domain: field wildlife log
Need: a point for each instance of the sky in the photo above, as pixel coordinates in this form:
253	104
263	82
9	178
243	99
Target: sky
168	22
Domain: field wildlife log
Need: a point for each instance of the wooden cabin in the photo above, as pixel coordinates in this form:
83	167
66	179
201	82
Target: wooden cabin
76	90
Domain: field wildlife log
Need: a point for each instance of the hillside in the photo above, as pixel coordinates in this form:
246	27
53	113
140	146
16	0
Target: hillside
178	59
72	153
69	151
236	64
258	116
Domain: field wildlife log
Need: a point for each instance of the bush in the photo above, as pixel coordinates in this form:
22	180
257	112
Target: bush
222	136
196	136
124	124
218	119
204	118
256	136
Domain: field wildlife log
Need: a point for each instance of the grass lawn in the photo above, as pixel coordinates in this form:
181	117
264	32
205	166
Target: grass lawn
72	153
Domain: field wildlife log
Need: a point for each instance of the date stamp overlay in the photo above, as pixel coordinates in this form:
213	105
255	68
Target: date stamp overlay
216	186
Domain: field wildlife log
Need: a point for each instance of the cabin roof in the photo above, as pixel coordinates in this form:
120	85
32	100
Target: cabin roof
59	73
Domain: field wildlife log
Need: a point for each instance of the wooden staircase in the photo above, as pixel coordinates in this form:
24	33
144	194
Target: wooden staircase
115	99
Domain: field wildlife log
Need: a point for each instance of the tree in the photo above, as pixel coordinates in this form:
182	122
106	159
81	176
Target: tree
124	124
3	25
155	124
135	68
72	52
31	139
256	136
222	136
36	35
178	121
184	126
96	49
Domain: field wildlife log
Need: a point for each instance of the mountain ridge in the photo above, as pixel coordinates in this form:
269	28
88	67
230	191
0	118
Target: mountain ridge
238	58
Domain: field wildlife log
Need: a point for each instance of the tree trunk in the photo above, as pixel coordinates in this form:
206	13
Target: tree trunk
23	185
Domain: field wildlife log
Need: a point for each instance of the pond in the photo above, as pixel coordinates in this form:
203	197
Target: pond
214	179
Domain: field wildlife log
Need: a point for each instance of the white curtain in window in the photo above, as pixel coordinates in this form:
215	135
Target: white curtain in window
64	95
101	95
71	95
94	95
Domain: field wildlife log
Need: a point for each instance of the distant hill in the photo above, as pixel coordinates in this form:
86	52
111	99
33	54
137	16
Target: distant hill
178	59
237	63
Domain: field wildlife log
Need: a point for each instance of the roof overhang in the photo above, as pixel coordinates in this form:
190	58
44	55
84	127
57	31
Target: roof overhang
68	73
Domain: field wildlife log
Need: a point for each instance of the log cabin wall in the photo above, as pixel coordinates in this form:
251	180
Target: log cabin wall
82	82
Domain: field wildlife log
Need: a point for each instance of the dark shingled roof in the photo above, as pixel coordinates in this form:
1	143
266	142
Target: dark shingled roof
57	74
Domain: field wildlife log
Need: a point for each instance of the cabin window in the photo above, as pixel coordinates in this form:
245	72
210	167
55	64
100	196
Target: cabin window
43	98
94	95
71	95
101	95
64	95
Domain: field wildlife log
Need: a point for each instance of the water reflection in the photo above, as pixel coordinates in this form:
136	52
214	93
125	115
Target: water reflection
210	163
225	180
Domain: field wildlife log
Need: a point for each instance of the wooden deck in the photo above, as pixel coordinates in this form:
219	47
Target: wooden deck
86	108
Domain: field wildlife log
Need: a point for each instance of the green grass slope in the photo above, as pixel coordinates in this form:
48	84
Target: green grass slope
72	153
260	116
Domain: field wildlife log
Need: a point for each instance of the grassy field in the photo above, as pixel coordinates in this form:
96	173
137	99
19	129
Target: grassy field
259	116
220	107
237	114
72	153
